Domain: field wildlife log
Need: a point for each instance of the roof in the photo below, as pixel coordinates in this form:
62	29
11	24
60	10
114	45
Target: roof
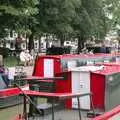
78	56
86	68
107	70
109	64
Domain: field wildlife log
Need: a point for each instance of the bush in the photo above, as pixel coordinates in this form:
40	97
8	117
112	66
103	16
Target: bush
10	61
98	49
58	50
4	52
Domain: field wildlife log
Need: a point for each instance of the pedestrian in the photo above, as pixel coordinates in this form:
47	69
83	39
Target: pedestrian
23	57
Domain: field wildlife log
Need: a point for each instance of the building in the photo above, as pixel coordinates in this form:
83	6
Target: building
15	40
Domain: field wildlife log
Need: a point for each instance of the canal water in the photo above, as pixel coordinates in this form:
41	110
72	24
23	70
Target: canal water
10	112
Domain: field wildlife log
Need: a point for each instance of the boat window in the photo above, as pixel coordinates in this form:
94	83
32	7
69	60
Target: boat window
98	61
71	64
81	63
3	85
90	62
64	65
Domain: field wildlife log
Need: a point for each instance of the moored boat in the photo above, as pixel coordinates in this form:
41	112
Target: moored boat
10	96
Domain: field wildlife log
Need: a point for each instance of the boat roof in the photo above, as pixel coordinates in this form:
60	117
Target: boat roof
109	63
87	68
78	56
107	70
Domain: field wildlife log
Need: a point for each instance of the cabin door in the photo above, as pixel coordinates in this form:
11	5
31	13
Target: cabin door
48	68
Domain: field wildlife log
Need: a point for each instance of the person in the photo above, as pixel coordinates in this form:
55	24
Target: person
4	75
29	57
85	50
33	53
24	57
103	49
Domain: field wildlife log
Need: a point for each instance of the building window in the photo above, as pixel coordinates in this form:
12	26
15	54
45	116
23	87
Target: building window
11	45
36	45
23	46
11	33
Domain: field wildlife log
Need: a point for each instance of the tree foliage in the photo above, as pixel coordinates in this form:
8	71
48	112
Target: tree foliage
13	13
81	18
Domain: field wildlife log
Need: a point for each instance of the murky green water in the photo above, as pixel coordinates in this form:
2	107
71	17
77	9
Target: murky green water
10	113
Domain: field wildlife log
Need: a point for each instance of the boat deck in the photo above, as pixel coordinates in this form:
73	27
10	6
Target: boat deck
63	115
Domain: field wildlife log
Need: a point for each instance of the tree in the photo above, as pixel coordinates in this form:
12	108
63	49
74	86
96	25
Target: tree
56	16
62	18
89	20
14	14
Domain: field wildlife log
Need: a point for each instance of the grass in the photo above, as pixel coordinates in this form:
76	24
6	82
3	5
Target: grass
10	61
